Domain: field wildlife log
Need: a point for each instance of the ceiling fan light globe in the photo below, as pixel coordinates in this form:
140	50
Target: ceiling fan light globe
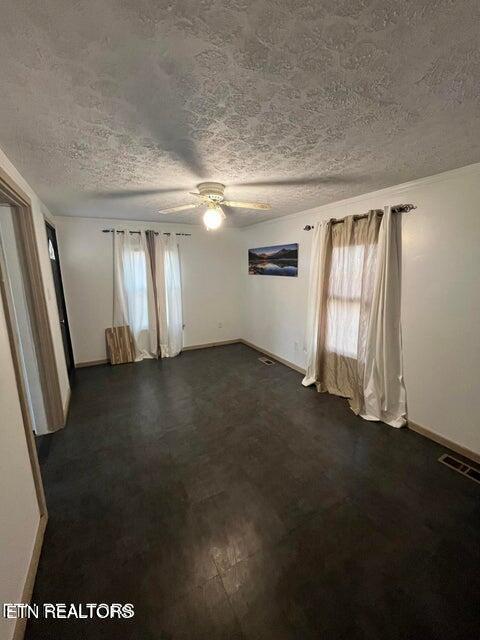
212	219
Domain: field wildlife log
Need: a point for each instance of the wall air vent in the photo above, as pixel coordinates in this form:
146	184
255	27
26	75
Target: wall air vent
267	361
460	466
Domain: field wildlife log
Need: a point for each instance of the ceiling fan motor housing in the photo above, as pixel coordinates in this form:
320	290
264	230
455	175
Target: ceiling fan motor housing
212	190
210	195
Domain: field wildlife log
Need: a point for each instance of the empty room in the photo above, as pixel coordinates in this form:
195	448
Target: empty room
240	320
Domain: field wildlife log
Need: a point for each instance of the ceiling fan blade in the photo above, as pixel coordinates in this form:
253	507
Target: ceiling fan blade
182	207
132	193
246	205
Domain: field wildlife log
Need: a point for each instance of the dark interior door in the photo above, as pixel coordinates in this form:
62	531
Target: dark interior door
62	308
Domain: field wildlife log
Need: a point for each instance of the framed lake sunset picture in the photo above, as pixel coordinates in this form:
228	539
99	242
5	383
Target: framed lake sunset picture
279	260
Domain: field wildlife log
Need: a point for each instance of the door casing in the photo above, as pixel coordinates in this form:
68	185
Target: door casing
20	203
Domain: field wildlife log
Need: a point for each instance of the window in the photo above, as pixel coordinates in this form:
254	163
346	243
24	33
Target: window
343	300
135	281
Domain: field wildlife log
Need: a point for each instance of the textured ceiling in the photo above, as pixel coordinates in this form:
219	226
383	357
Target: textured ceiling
336	97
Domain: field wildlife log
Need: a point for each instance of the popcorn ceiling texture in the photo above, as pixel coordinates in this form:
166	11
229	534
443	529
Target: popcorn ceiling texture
337	97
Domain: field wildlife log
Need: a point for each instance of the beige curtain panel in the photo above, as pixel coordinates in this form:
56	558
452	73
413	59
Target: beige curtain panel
353	331
148	293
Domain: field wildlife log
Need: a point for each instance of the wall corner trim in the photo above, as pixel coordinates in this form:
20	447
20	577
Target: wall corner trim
443	441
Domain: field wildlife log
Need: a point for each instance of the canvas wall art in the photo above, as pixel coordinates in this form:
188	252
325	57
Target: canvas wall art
279	260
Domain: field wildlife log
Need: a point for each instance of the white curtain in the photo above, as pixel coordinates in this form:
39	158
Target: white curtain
169	295
316	300
384	396
133	303
353	327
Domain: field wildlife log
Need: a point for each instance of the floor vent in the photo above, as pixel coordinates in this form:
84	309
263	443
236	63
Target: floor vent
266	361
461	467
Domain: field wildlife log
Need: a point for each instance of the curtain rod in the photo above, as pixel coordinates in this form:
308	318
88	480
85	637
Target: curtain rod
155	232
398	208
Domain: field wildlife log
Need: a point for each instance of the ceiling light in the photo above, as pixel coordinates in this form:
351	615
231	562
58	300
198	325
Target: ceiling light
213	218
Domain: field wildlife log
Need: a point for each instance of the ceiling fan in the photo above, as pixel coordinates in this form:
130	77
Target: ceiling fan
210	195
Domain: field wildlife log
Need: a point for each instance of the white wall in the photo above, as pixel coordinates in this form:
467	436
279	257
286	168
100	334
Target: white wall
39	210
210	281
440	296
19	512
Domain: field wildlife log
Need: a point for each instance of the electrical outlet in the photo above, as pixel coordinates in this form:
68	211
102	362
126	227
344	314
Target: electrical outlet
220	325
295	347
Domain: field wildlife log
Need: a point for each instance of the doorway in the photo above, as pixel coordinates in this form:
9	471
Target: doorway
59	293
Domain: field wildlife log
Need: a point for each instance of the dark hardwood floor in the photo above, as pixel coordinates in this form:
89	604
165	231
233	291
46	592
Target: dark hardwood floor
226	501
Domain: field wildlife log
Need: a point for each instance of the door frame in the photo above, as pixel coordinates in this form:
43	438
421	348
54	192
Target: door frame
63	302
14	341
15	351
12	195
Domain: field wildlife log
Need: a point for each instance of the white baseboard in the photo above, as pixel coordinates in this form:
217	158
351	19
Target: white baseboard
445	442
92	363
207	345
287	363
424	431
21	623
211	344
